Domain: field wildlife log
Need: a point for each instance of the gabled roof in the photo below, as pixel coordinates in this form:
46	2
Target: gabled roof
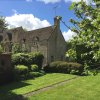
42	33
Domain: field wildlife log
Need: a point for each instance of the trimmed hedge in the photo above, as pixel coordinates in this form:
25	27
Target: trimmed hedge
21	59
21	69
35	74
64	67
34	68
37	58
27	59
20	72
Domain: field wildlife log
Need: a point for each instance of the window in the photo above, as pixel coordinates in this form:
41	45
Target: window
24	40
9	36
52	58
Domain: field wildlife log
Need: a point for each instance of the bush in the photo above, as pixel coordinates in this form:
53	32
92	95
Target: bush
27	59
16	48
64	67
21	59
1	49
20	72
21	69
34	68
37	58
34	74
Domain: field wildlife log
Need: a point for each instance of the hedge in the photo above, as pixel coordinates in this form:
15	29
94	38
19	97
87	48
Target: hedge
34	68
20	72
37	58
27	59
64	67
35	74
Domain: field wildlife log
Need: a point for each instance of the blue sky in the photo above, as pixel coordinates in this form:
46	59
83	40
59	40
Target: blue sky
34	14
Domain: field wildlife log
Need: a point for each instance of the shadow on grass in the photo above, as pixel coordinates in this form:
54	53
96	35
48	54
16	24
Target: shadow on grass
7	94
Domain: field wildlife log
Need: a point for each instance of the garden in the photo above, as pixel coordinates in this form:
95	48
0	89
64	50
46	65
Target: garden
76	78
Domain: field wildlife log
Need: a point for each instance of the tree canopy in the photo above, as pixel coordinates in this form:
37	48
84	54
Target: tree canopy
87	27
3	24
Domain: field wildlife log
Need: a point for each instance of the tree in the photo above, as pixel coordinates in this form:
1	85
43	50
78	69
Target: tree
3	24
87	28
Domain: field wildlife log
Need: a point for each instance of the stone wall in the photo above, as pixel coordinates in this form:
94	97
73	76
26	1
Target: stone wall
5	68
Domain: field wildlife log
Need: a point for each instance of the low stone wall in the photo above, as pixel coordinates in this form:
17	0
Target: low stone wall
5	68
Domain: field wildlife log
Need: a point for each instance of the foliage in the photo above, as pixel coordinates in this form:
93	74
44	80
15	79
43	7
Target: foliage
69	45
35	74
1	49
16	48
21	69
28	59
3	24
21	58
20	72
87	29
34	68
71	55
37	58
64	67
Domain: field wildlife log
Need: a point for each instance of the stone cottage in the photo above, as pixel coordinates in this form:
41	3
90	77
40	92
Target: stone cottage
48	40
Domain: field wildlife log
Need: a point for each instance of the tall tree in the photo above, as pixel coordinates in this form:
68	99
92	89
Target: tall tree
87	27
3	24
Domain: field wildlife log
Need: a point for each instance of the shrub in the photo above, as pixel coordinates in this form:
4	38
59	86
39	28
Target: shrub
16	48
21	69
37	58
64	67
34	74
27	59
71	55
21	59
1	49
34	68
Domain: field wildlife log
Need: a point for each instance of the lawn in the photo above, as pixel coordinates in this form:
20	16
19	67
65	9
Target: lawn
7	92
83	88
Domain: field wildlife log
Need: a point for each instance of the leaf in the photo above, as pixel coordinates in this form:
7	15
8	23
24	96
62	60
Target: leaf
72	6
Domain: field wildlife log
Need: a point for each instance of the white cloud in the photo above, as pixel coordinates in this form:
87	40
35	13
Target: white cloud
49	1
27	21
87	1
55	1
14	11
68	35
29	0
72	0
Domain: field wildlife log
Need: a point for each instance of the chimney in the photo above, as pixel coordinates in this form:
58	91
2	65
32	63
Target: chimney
57	21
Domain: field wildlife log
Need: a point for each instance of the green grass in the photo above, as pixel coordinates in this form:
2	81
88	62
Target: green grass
23	87
83	88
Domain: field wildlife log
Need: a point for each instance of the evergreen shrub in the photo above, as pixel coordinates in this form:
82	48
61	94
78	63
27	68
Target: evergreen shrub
64	67
34	74
28	59
20	72
34	68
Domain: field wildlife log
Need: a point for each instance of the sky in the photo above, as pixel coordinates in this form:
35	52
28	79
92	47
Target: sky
34	14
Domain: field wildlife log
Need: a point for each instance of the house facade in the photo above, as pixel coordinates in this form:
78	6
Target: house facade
48	40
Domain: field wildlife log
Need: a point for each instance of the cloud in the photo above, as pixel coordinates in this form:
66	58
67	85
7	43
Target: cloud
68	35
87	1
27	21
55	1
49	1
28	0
